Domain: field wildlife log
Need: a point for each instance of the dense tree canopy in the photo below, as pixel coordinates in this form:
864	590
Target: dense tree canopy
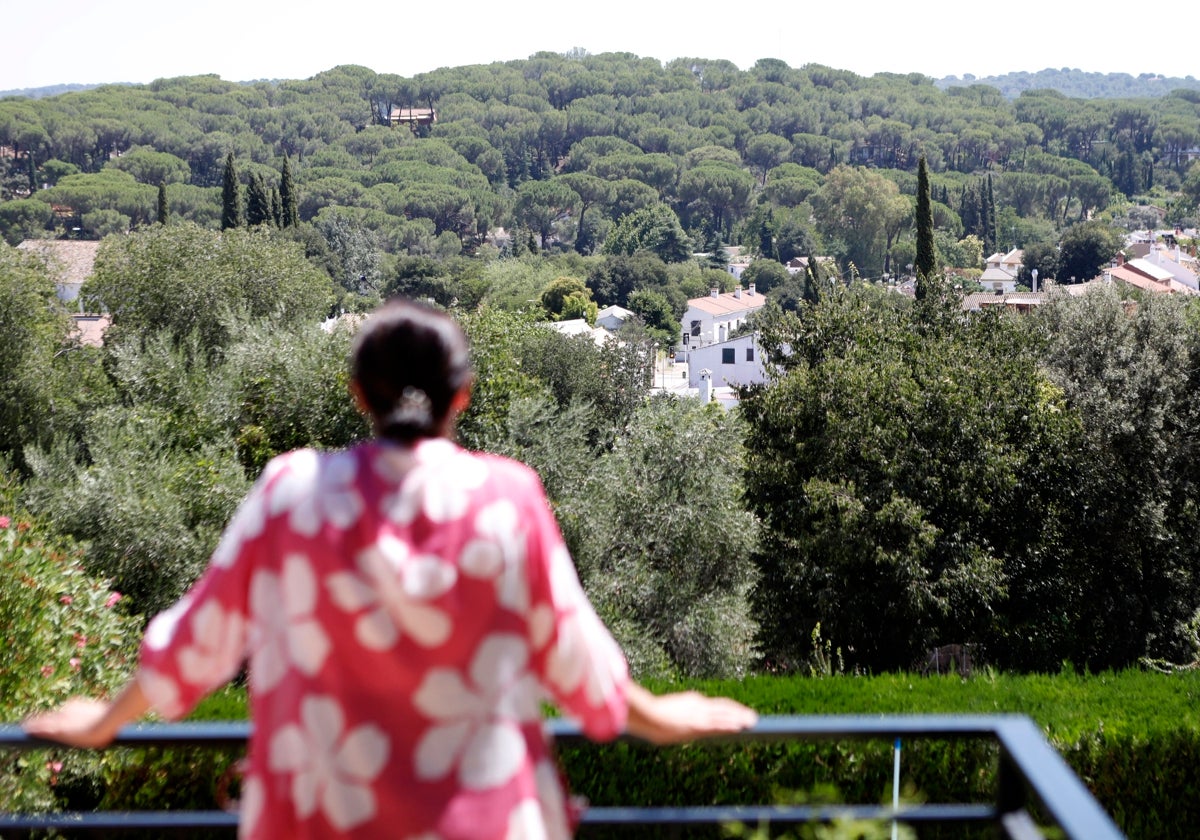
711	142
185	279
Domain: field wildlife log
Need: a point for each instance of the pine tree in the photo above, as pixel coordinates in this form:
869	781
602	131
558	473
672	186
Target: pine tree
258	202
163	210
926	263
231	196
289	214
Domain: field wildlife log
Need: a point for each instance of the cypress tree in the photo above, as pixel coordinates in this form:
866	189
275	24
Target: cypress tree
989	214
231	196
926	263
289	215
276	207
163	210
812	280
258	202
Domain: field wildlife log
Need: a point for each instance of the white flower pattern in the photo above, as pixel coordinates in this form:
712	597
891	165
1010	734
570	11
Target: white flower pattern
317	489
439	541
393	592
584	647
218	637
438	484
284	630
478	726
331	771
498	552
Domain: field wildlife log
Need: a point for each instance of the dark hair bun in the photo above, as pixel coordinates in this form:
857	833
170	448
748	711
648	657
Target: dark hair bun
409	360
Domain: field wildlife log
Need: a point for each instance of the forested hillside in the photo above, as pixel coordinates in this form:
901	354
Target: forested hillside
908	476
1078	84
557	149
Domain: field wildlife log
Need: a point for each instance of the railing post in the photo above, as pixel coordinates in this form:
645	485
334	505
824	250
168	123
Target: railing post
1012	802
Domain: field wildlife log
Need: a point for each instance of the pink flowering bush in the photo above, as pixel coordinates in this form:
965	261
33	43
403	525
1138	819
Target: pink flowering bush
63	634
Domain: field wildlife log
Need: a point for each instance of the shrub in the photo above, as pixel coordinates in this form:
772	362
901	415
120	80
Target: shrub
64	634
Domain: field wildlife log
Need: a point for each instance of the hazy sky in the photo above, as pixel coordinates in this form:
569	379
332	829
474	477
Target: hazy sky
95	41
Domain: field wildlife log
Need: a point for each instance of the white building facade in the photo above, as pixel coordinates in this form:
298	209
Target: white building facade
714	319
736	361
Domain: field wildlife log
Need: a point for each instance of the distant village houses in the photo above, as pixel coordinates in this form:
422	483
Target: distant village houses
412	117
715	318
70	263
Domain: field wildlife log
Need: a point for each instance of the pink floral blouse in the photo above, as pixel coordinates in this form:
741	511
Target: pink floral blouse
404	612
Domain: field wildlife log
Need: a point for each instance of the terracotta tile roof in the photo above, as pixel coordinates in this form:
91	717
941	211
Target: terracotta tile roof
89	329
1141	281
71	260
727	303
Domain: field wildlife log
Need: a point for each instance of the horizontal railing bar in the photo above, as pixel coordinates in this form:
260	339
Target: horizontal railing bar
595	816
110	820
786	815
778	727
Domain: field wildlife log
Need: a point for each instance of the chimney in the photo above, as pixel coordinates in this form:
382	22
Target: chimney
716	292
751	290
706	386
737	293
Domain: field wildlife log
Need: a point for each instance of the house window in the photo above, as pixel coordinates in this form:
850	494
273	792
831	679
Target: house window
695	328
749	354
727	356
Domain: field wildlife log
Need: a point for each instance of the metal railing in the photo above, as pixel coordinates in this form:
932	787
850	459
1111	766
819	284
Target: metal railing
1030	771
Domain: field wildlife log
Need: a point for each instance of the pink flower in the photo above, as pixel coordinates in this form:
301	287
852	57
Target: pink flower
54	766
47	670
74	663
5	521
80	640
66	599
112	600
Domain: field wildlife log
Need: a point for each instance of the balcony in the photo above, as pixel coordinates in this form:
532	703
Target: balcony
1031	778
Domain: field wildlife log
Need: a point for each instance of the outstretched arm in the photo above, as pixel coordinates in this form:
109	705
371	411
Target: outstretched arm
85	722
685	716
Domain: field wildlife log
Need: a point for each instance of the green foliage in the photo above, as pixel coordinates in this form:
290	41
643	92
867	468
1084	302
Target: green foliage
765	274
926	258
150	515
656	313
1124	581
32	327
353	256
891	458
556	294
662	543
232	213
865	211
289	389
25	218
656	229
1086	248
64	634
182	278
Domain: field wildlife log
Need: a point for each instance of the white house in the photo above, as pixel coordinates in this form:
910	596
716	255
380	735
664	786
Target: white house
736	361
612	318
713	319
578	326
1000	275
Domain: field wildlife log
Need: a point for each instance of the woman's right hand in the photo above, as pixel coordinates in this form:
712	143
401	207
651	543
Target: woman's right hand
684	716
